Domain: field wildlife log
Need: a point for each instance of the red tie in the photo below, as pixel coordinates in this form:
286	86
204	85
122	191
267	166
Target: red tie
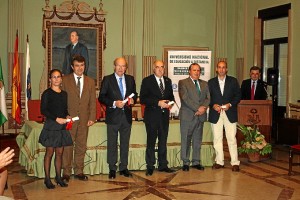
252	90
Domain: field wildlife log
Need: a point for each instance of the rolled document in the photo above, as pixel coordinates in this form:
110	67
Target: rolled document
223	107
73	119
130	96
171	103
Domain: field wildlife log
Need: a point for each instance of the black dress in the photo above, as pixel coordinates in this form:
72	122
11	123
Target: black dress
54	105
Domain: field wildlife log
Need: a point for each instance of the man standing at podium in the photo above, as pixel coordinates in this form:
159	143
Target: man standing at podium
254	88
225	94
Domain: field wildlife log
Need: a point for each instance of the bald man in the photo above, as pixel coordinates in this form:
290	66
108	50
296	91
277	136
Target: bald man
114	89
156	92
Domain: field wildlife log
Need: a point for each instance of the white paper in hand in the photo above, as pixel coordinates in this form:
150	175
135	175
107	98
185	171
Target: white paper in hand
130	96
171	103
73	119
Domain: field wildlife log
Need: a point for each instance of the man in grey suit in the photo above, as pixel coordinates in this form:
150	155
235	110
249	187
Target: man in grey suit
225	95
195	97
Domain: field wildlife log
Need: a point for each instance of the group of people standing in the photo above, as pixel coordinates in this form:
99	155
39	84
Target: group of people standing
73	95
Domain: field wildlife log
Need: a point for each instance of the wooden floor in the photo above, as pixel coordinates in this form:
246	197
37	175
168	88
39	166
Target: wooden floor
264	180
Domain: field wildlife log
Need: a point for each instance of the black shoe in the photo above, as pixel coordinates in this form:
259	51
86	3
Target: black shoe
60	182
186	168
125	173
81	177
49	184
167	169
65	178
199	167
149	172
112	174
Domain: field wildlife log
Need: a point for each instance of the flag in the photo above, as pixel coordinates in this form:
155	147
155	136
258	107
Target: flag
3	110
16	86
28	78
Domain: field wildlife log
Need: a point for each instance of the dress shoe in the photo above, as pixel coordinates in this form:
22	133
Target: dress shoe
149	172
186	168
60	182
112	174
125	173
167	169
217	166
235	168
48	183
81	177
65	178
199	167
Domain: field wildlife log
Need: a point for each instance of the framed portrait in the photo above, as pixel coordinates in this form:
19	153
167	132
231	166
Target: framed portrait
90	35
89	23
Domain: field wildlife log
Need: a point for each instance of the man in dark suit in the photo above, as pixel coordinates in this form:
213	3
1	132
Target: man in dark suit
75	48
115	88
225	94
254	88
156	92
82	103
194	97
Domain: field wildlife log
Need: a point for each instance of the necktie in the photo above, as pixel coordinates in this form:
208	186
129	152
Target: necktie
252	90
78	84
197	87
121	87
161	87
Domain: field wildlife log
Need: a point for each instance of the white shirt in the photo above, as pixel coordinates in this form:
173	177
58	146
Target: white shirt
222	84
81	82
255	84
158	81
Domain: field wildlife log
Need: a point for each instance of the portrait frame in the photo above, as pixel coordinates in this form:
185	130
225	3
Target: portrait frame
58	22
91	35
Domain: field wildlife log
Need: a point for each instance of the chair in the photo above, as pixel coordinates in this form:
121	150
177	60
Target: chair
143	106
295	149
100	110
34	110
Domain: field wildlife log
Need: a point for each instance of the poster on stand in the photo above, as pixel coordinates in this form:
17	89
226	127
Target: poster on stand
178	62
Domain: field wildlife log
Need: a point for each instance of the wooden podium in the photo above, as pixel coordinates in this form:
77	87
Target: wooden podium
255	112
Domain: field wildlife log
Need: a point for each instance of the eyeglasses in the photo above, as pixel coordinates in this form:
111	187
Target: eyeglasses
55	76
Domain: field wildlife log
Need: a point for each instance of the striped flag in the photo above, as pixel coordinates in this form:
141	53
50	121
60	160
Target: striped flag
16	86
28	78
3	110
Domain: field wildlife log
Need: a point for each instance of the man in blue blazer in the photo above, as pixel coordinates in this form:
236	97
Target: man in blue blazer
156	92
115	88
259	90
72	49
225	94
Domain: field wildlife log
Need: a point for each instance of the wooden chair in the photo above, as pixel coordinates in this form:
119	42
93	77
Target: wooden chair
295	149
34	110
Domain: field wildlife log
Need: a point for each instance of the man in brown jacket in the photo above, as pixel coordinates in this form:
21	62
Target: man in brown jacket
82	103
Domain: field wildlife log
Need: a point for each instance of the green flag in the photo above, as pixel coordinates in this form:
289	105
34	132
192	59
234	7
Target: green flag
3	110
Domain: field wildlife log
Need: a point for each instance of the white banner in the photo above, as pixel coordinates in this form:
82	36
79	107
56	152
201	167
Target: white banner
178	68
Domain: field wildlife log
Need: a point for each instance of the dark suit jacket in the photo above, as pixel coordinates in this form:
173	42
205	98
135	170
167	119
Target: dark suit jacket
260	92
85	106
110	92
231	94
80	49
190	100
150	95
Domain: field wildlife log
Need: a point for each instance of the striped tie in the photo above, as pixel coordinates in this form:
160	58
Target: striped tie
161	87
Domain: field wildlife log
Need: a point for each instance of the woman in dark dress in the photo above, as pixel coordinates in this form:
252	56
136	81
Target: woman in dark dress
54	135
